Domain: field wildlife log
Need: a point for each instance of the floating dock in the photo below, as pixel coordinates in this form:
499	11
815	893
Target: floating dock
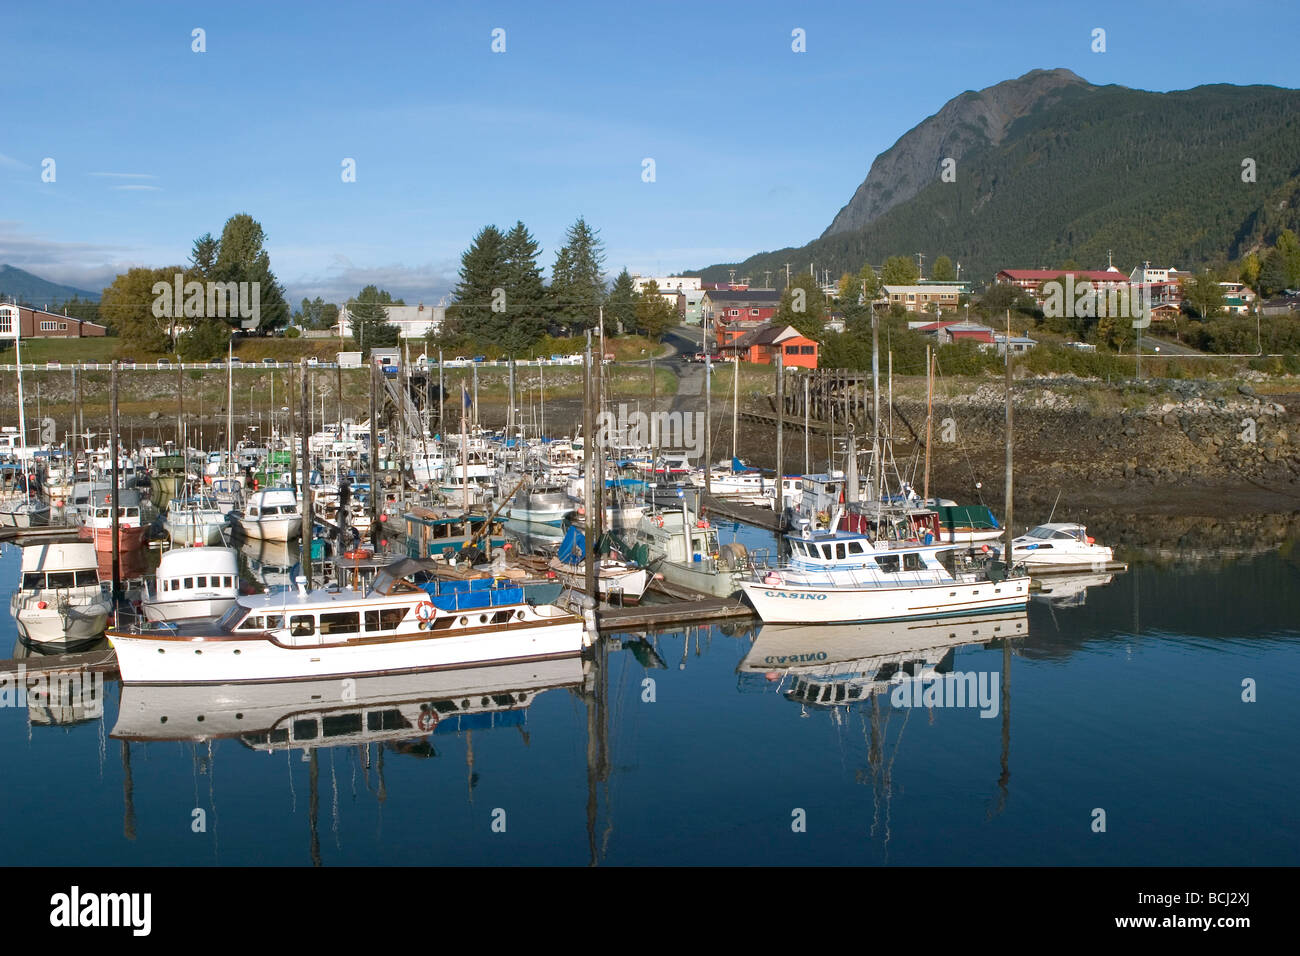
49	534
749	514
680	612
102	661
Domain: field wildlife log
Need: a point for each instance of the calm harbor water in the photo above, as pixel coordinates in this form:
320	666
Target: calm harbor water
726	743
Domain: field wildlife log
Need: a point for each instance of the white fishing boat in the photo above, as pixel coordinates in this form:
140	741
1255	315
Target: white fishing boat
23	512
60	602
847	577
1063	546
193	583
685	550
195	520
271	514
396	626
541	504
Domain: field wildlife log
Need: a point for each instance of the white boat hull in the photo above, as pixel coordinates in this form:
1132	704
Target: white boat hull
237	660
47	626
282	528
790	604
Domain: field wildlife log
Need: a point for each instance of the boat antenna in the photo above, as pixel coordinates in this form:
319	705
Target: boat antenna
1054	504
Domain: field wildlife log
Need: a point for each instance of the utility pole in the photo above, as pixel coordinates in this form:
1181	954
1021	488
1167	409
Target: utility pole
779	501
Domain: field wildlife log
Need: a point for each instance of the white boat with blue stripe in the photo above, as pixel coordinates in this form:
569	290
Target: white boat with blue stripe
848	577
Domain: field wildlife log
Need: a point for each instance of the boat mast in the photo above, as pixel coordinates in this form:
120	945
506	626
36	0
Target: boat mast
22	416
1006	506
735	401
230	408
876	489
929	418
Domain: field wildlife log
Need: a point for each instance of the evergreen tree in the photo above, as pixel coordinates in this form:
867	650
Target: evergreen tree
203	258
620	307
577	286
239	256
368	313
654	314
806	311
482	272
943	270
524	320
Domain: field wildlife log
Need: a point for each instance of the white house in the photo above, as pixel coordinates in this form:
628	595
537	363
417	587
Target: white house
668	283
412	321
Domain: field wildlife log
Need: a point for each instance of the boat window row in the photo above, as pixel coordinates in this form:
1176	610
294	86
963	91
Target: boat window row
329	623
201	581
59	580
121	513
843	550
273	510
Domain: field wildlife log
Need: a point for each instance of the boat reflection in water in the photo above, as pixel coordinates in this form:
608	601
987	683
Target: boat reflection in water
61	699
349	711
1068	590
271	564
836	666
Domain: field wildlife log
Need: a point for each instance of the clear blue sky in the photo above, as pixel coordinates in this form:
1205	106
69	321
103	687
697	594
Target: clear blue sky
756	147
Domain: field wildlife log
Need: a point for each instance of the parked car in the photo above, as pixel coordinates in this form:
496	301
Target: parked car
268	361
234	360
480	358
163	363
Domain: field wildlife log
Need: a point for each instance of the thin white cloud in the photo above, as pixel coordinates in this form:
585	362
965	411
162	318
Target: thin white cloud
10	163
126	175
139	188
427	283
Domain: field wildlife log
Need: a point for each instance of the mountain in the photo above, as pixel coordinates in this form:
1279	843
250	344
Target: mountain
25	287
1050	167
967	123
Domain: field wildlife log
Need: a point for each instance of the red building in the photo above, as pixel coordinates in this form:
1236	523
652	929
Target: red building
761	346
38	324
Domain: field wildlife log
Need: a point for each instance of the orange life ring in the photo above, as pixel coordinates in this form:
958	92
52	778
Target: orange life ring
659	520
772	578
428	719
425	612
359	553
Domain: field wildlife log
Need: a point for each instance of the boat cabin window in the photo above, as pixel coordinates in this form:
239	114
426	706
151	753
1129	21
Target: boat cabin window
385	620
87	579
913	562
260	622
826	551
302	625
227	581
61	579
33	581
889	562
839	551
855	547
189	583
341	622
252	512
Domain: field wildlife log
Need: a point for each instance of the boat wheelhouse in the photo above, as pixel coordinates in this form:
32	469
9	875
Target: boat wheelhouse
400	624
271	514
195	520
193	583
98	526
60	602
